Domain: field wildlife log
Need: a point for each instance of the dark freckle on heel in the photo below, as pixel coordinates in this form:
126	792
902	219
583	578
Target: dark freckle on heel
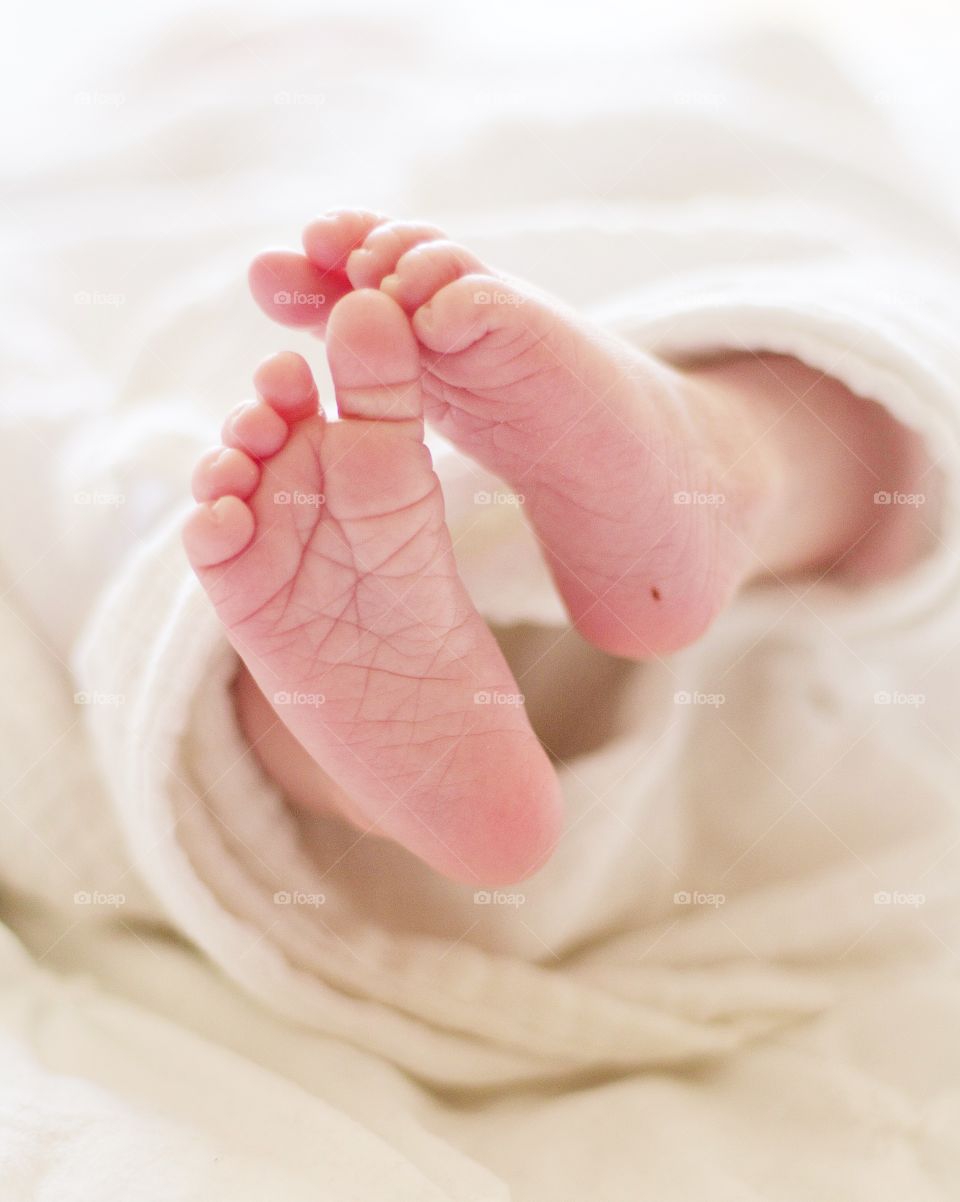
655	593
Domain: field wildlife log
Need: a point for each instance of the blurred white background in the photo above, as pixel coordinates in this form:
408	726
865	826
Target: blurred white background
905	51
51	50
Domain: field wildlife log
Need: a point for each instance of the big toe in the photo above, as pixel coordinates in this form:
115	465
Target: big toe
374	358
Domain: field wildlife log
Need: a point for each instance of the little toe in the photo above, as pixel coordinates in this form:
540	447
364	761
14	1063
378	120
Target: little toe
285	382
330	238
255	428
377	257
424	269
222	471
215	533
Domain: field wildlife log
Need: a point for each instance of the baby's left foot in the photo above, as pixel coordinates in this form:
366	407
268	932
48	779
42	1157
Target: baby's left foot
323	548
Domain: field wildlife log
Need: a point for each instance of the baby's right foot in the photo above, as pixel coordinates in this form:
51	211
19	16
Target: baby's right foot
324	550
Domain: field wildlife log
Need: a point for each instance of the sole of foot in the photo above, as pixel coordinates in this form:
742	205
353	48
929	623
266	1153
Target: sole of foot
323	548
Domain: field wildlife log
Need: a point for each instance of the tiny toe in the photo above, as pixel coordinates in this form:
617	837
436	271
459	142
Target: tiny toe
216	532
285	382
222	471
255	428
329	239
424	269
378	256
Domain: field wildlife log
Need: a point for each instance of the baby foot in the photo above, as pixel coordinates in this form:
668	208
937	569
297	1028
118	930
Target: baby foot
323	547
606	445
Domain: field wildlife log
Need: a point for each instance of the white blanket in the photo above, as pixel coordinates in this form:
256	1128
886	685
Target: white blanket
737	978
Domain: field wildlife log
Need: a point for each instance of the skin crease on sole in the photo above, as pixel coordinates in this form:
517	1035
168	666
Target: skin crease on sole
323	548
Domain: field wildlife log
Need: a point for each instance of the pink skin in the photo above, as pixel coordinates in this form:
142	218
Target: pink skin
323	547
599	439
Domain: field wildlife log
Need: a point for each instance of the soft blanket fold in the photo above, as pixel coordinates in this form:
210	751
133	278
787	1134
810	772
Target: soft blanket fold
746	942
